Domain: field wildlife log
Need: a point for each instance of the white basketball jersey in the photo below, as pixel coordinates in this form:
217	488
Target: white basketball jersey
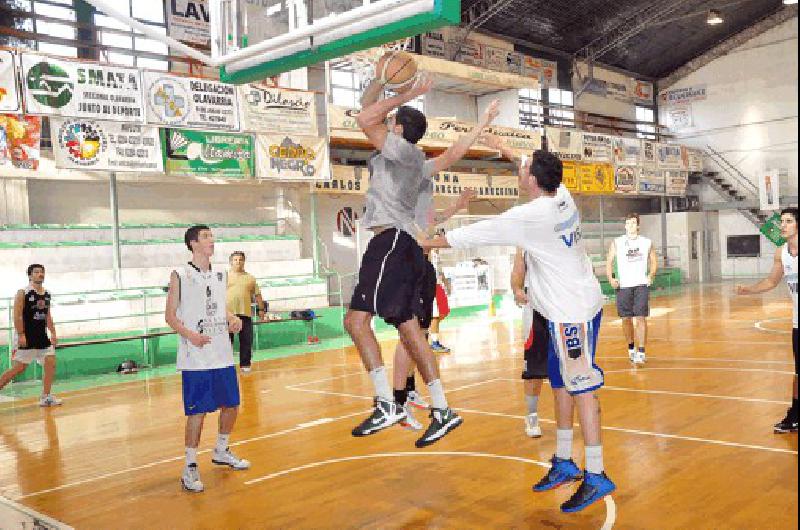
633	256
790	273
202	308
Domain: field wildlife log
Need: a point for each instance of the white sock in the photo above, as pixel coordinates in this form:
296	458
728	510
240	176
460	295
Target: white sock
564	444
533	404
434	337
438	401
222	442
594	459
191	456
381	382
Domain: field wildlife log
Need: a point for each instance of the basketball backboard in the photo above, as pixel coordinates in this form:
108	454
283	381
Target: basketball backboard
255	39
296	33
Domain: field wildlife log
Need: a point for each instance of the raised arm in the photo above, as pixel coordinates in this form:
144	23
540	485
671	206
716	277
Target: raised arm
372	118
768	283
612	254
442	216
456	152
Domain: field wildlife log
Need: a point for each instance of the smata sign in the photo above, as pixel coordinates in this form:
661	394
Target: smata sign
81	90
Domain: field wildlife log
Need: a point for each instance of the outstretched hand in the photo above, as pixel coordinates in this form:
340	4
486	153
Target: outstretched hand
467	195
491	112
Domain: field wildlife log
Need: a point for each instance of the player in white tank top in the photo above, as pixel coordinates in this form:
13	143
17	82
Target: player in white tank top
563	289
784	267
196	310
637	265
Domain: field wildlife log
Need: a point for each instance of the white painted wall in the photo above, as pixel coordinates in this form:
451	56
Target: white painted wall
53	201
750	114
440	104
680	226
509	107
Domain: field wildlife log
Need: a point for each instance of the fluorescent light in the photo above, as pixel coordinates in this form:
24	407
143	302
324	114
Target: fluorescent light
714	18
789	2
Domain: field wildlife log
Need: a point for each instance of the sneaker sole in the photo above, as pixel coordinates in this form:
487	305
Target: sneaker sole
556	486
376	429
533	435
220	463
183	485
448	429
783	431
586	505
418	406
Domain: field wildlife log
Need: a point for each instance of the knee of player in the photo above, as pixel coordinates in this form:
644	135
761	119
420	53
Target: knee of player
354	322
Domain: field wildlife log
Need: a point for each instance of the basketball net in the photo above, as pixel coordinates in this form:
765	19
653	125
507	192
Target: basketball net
363	62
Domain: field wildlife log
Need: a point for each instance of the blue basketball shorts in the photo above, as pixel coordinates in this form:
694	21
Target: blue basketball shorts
570	359
209	390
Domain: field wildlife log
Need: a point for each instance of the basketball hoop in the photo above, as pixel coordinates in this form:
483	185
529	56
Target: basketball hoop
363	63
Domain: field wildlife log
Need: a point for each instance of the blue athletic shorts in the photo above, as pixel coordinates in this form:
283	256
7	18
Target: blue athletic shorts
570	358
208	390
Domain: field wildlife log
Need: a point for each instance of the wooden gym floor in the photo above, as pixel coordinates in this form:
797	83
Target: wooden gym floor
688	439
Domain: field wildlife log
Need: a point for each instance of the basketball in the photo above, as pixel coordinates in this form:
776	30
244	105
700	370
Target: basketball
397	70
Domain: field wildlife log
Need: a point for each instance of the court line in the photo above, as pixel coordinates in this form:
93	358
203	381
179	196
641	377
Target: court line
149	465
611	507
709	359
37	519
604	427
759	325
705	368
650	433
686	394
677	339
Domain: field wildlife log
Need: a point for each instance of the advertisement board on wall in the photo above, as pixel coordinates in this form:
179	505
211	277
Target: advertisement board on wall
192	103
55	87
93	145
208	154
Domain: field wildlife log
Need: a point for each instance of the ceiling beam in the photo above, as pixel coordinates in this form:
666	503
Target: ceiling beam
779	17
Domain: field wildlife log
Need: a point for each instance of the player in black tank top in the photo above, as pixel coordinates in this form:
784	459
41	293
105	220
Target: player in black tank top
32	321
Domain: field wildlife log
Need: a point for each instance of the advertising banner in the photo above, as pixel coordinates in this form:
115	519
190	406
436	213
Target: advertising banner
597	148
189	22
570	176
278	110
54	87
627	151
769	184
92	145
627	179
208	154
596	178
670	157
9	93
20	141
651	182
566	144
676	182
349	180
292	157
192	103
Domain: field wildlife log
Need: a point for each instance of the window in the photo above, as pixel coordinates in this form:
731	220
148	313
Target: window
116	34
560	104
531	112
58	9
346	88
646	123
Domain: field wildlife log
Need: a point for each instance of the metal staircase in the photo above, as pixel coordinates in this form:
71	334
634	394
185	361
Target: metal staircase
733	185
